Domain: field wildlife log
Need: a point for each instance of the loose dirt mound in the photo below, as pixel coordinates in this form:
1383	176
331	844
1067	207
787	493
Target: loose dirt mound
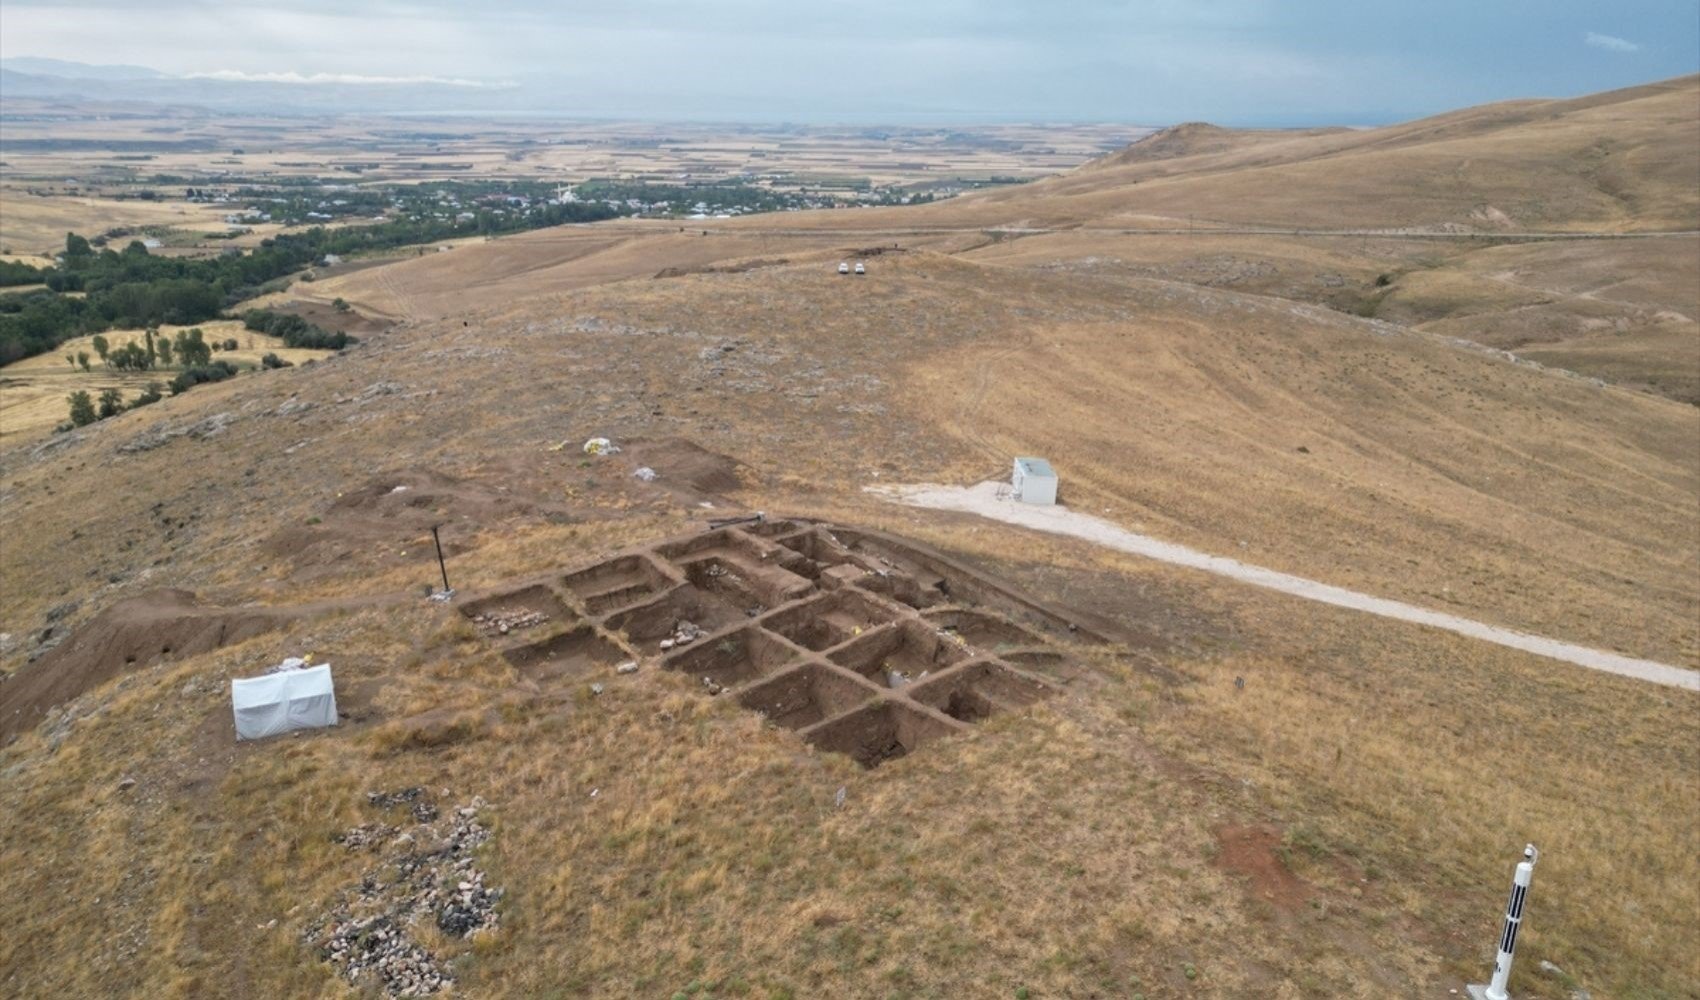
392	514
128	636
685	464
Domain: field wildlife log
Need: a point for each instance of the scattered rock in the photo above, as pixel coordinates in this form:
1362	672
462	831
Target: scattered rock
126	783
377	389
628	667
369	934
401	797
684	633
200	430
506	620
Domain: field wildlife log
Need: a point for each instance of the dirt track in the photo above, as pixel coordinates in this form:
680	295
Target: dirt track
985	501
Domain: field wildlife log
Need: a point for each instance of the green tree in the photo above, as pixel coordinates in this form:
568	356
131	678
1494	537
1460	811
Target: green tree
340	305
71	359
131	358
192	348
76	248
101	347
111	403
153	353
82	409
164	349
83	359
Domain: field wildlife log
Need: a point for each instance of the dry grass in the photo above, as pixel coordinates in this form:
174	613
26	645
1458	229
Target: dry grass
36	388
37	224
1620	160
1072	851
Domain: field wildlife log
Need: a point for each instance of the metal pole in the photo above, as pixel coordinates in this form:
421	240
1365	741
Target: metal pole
1495	989
440	564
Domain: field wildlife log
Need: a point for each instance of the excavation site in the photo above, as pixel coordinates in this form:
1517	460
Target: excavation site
860	642
668	501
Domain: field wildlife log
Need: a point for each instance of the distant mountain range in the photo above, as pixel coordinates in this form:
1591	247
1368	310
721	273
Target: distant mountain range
36	66
33	77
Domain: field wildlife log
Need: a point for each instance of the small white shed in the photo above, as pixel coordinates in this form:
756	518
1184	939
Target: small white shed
282	702
1034	481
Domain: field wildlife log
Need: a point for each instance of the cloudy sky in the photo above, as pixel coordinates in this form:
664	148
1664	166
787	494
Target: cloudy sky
1139	61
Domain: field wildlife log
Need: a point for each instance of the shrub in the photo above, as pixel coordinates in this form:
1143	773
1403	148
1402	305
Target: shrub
82	408
151	394
186	379
271	360
111	403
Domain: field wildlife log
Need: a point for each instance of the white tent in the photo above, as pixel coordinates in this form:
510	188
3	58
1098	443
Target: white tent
281	702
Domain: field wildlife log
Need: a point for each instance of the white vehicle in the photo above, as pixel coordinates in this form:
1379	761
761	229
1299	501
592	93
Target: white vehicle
860	269
844	268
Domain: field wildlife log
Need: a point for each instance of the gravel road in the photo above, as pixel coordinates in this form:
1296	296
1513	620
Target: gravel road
985	500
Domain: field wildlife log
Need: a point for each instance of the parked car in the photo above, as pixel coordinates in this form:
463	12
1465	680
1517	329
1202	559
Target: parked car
844	268
860	269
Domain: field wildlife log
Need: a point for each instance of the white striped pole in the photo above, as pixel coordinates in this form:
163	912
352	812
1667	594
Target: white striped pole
1495	990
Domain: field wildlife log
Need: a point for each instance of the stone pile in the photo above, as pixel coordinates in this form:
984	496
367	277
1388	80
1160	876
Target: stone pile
684	633
508	620
428	874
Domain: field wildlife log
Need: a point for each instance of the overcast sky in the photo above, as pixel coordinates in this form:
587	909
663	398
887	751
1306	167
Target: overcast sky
1139	61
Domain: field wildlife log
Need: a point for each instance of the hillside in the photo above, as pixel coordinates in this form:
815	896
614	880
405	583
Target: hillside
1622	161
1226	792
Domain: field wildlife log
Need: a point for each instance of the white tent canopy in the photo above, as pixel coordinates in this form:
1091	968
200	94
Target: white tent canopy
281	702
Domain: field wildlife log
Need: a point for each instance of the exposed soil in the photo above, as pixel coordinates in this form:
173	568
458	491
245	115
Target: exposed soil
130	635
570	654
389	518
1251	851
737	268
682	464
790	620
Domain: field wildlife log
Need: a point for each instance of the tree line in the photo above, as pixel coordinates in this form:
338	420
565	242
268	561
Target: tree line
133	288
86	409
295	331
190	349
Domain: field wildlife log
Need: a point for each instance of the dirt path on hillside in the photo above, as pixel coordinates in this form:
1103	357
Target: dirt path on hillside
984	500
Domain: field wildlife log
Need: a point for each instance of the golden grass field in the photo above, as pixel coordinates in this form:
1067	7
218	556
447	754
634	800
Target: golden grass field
34	391
35	224
1343	823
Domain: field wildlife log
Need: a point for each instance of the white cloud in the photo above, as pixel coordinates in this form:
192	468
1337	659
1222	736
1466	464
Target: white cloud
1611	43
353	78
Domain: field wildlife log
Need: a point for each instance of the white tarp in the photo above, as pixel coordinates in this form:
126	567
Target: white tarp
281	702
